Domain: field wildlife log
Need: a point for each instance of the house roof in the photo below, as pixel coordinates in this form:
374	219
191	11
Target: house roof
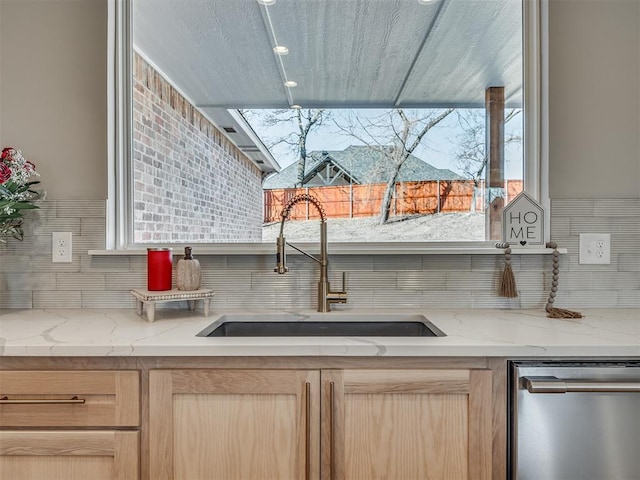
363	164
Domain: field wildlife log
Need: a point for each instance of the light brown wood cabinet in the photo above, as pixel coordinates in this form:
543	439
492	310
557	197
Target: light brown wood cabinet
325	423
69	425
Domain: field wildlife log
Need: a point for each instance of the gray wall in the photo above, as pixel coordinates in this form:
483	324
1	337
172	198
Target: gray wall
53	81
594	101
53	107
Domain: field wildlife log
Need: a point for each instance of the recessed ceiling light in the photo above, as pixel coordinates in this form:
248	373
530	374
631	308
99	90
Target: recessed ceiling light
290	84
280	50
266	2
296	107
425	2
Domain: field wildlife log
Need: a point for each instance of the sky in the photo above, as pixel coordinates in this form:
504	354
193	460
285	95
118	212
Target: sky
437	148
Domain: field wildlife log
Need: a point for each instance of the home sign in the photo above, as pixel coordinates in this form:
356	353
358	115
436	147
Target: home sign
523	222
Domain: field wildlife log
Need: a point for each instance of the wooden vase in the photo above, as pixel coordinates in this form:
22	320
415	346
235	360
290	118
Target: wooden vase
188	274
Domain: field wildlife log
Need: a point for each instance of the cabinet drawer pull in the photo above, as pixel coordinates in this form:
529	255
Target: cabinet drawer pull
307	452
35	401
331	429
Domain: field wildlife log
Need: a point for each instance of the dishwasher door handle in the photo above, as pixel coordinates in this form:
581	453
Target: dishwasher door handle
557	385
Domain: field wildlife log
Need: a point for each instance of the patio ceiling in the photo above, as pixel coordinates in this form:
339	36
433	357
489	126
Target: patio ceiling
342	53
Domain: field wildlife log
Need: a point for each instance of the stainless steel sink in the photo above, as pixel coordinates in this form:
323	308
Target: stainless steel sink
322	325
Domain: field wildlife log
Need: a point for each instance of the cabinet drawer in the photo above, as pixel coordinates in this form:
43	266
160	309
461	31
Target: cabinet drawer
82	398
69	455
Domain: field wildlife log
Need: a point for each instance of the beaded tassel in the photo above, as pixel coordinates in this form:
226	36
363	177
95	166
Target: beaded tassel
508	284
554	312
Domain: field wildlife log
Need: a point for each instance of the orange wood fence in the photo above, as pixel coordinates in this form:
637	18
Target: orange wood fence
351	201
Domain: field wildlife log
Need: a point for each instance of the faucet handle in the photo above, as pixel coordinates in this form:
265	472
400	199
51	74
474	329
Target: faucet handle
344	282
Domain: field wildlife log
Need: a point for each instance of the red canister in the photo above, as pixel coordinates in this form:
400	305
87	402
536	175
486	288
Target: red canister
159	266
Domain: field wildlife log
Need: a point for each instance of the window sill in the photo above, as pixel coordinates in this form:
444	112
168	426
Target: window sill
368	248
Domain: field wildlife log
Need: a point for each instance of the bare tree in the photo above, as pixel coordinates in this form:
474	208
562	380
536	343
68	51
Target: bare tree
303	123
407	132
471	154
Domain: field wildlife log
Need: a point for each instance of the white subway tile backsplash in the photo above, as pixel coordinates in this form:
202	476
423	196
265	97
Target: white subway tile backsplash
57	299
617	280
226	281
28	278
53	224
270	280
397	299
15	263
81	281
572	208
373	280
592	225
560	226
93	226
107	299
576	281
576	300
447	262
16	299
531	280
351	262
576	266
397	263
617	207
27	282
428	280
629	299
106	264
533	298
447	299
492	262
472	281
492	300
629	262
627	226
123	281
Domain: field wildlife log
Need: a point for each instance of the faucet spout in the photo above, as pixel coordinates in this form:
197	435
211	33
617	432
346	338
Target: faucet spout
326	296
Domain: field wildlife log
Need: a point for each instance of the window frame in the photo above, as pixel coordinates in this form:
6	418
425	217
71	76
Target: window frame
119	221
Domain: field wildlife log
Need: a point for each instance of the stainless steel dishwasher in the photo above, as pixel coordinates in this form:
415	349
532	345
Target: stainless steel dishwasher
574	420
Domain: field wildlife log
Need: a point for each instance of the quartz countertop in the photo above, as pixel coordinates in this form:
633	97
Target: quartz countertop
469	332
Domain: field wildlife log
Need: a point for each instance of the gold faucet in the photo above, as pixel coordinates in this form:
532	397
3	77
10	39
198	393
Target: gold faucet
325	295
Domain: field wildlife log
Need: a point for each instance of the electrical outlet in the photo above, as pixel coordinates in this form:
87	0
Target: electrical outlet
595	248
61	247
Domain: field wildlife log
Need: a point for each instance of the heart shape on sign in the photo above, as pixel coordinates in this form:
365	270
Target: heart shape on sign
523	243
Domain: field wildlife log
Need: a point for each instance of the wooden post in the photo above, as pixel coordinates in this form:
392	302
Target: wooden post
350	199
494	104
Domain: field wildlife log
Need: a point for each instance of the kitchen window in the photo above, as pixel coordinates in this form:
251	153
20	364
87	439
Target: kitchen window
125	186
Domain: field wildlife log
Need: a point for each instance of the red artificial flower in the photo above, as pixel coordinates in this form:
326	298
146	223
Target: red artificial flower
5	172
7	153
29	166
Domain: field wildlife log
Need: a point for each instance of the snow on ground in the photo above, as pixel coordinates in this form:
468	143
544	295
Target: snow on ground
440	227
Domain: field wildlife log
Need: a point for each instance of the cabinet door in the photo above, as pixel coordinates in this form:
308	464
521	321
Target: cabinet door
408	424
234	424
69	455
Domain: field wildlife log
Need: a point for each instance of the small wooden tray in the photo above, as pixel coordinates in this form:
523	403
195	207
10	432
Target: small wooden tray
149	299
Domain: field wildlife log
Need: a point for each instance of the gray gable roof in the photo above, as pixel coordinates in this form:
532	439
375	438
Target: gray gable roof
363	164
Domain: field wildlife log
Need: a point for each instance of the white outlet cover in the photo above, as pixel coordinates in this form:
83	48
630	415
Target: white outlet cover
595	248
61	247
